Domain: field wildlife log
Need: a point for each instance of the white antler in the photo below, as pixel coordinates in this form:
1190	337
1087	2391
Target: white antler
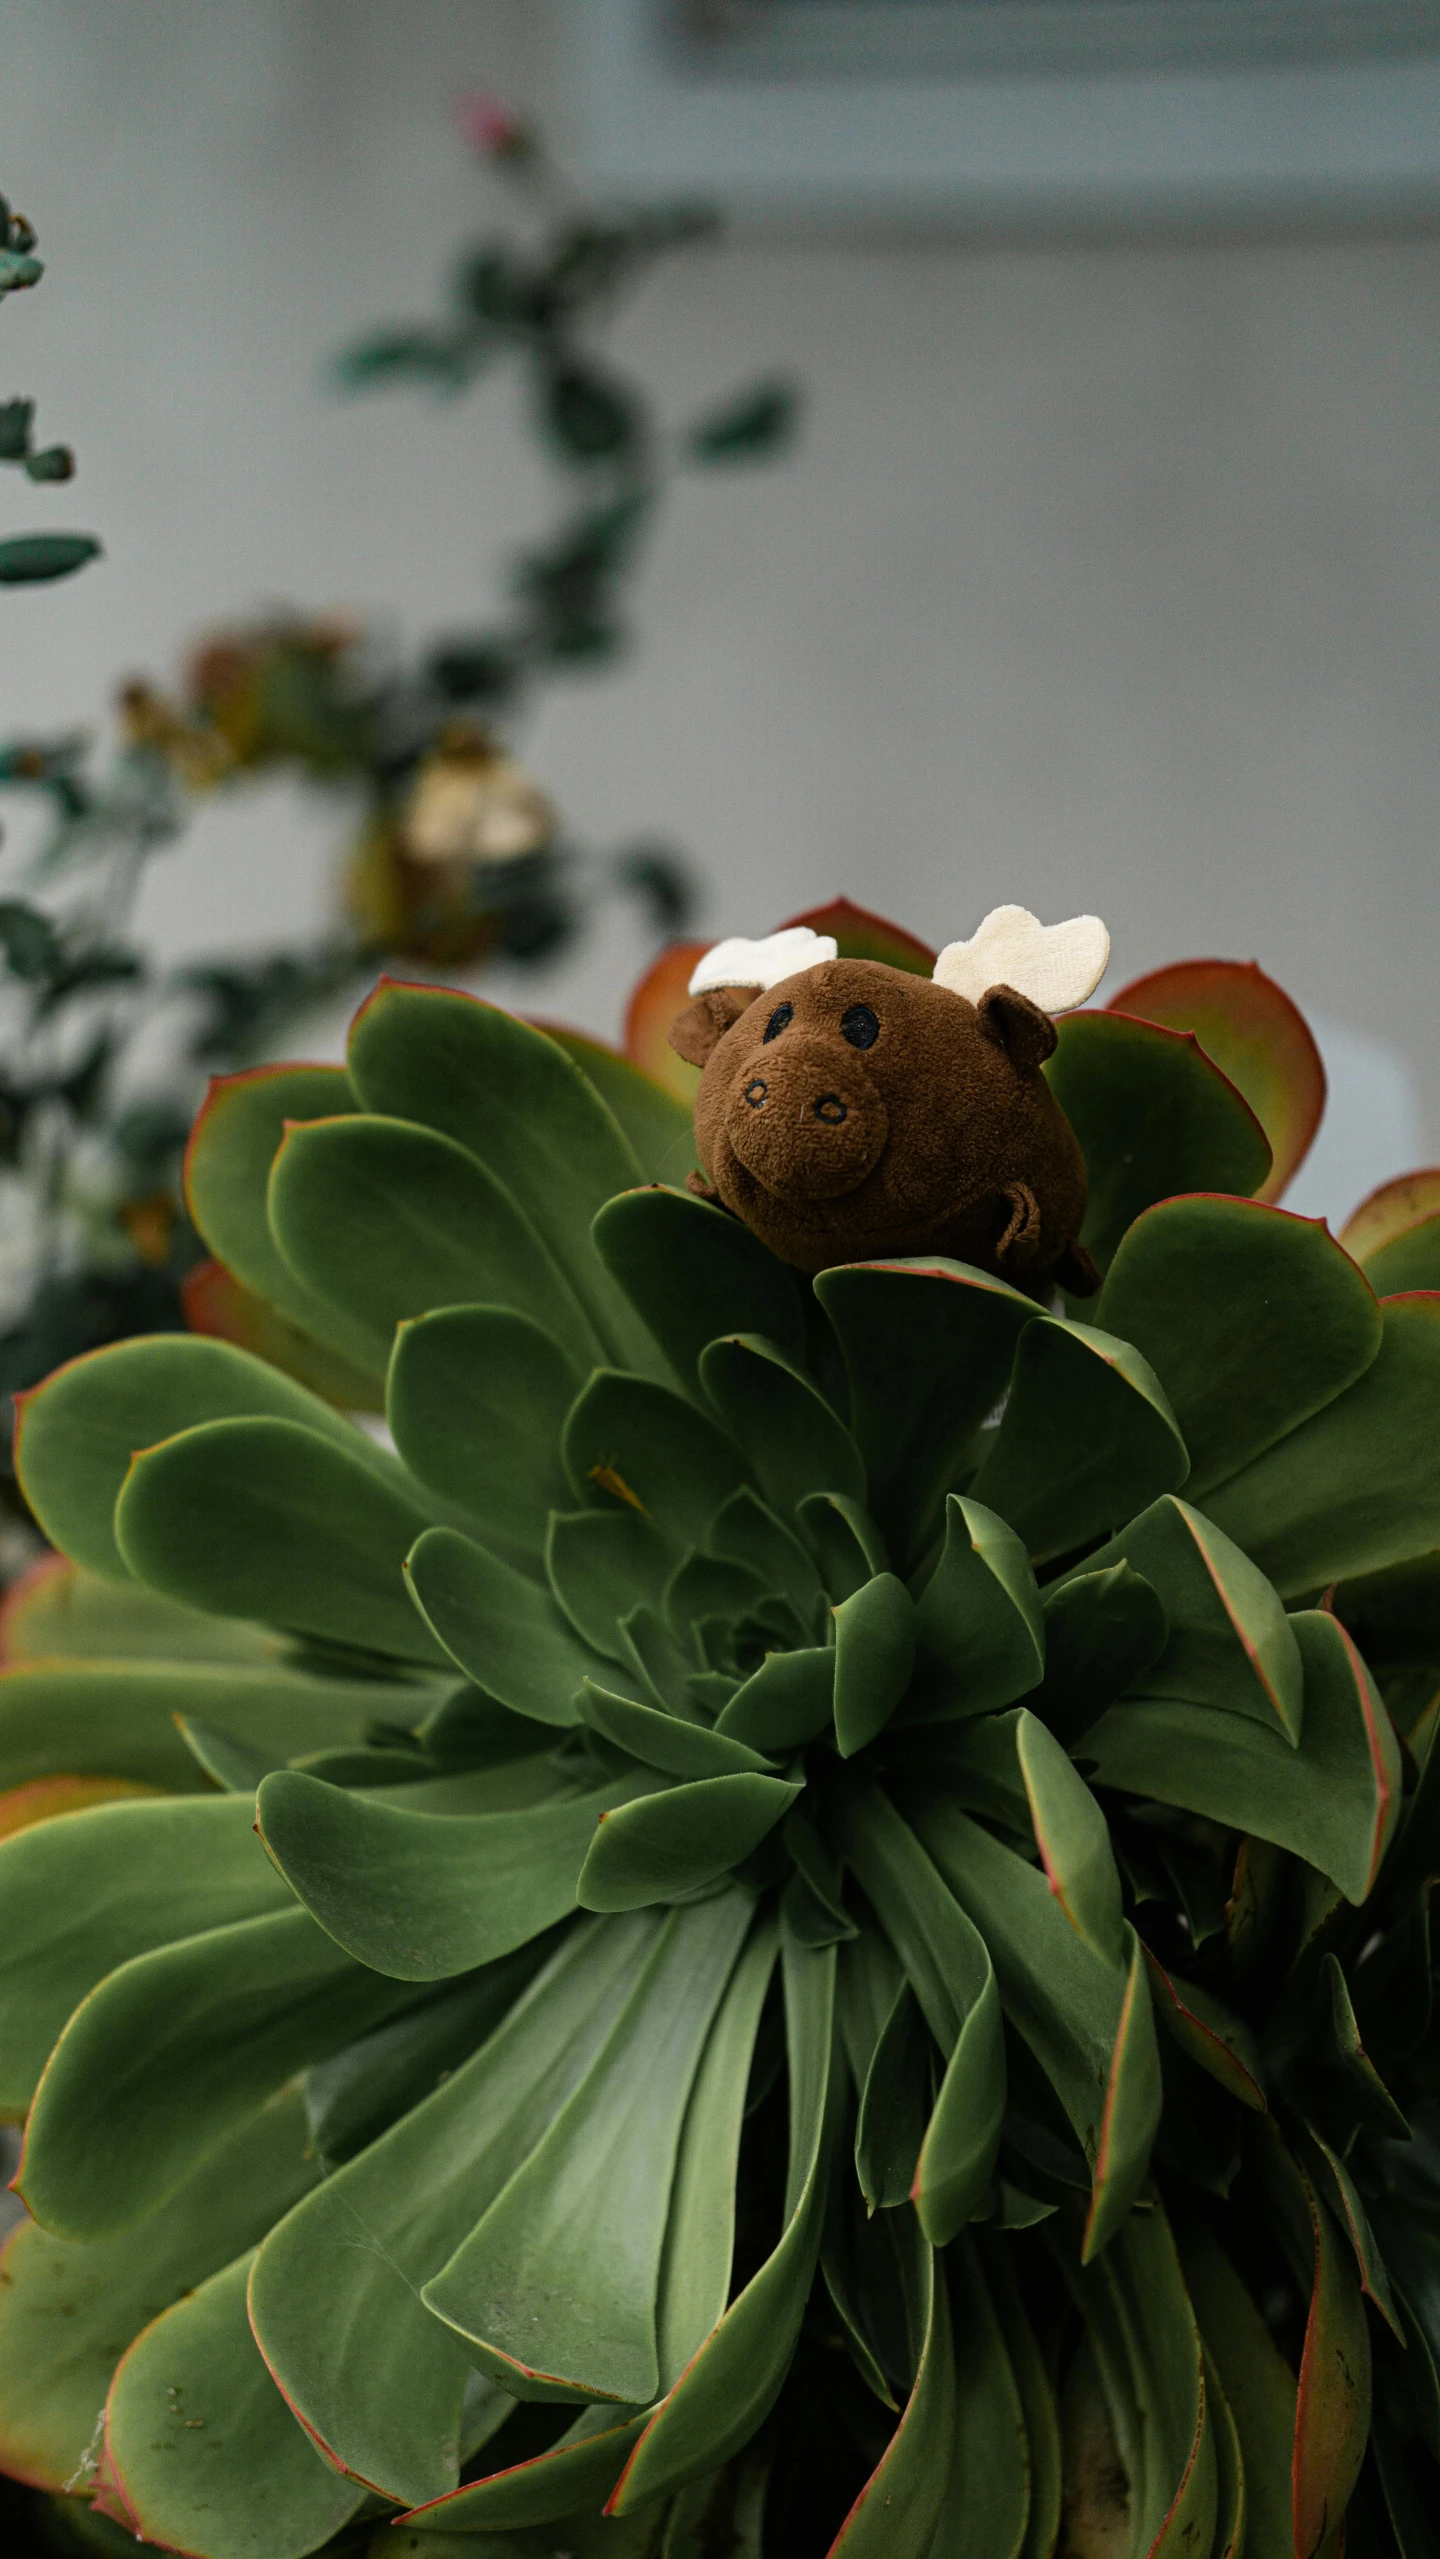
741	963
1056	965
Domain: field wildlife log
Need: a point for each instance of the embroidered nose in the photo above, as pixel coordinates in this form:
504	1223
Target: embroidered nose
755	1093
830	1109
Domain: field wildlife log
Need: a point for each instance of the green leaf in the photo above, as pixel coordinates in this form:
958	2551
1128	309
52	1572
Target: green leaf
730	2386
119	1719
928	1347
476	1398
505	1632
1333	1800
88	1890
498	1087
745	1531
603	1565
1258	2385
663	1741
1311	1326
66	2313
1087	1438
587	2536
378	2379
709	1587
895	2105
1357	1487
387	1221
267	1518
216	2462
1102	1632
987	2493
79	1431
844	1540
575	2475
1389	1215
1070	2007
752	426
556	2285
1366	2099
693	1272
947	1963
875	1640
227	1172
1343	2198
32	947
788	1700
974	1763
1039	2448
979	1629
1143	2331
369	2084
1205	2029
897	2510
1153	1117
663	1847
1411	1261
817	1889
661	1668
1131	2117
1073	1838
469	1731
782	1421
629	1441
591	415
229	2016
658	1129
17	417
57	462
33	559
1248	1026
421	1895
869	1981
57	1612
700	2233
873	2269
1230	1642
1332	2409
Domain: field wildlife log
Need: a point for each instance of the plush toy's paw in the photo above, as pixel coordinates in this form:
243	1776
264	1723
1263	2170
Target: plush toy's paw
1076	1273
700	1189
1021	1240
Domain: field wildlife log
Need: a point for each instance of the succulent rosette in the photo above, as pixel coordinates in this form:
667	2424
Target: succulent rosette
796	1918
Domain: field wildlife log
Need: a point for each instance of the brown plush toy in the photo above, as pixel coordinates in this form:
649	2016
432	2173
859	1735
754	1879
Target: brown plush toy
849	1111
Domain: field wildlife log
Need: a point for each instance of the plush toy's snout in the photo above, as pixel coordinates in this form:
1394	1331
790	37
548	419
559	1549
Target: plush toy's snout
850	1110
804	1116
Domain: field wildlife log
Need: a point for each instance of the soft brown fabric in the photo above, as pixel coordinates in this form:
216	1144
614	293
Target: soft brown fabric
856	1111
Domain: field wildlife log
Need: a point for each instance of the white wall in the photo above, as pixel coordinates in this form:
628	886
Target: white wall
1107	577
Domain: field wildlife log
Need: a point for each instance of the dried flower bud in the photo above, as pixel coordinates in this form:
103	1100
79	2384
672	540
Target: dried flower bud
473	803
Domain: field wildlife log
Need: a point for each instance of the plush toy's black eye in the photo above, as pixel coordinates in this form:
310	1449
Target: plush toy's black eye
860	1027
779	1020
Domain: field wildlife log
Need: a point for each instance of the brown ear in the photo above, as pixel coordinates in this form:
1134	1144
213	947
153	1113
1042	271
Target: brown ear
1019	1027
703	1024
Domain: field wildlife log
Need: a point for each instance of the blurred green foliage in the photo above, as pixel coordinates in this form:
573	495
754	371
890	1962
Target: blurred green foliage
32	559
102	1054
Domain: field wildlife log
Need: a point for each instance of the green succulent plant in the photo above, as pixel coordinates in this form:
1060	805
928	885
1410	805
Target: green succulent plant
837	1951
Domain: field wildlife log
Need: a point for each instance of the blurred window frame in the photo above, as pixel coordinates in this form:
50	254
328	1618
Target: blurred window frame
833	112
955	39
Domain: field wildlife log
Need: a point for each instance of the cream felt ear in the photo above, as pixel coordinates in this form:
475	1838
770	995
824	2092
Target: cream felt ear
1056	965
741	963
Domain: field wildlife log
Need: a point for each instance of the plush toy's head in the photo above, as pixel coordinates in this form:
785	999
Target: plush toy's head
848	1110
